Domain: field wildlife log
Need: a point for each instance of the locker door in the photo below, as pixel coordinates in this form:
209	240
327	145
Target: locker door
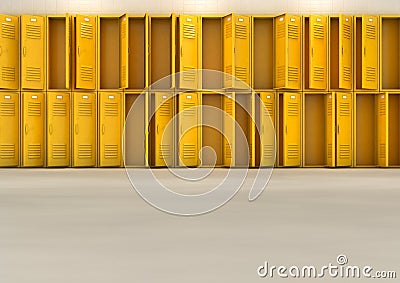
9	129
9	52
229	130
33	49
188	38
123	52
164	148
85	52
58	125
33	129
344	129
84	127
267	131
370	52
345	54
241	50
383	129
294	52
188	129
318	52
281	51
68	45
228	60
330	132
292	129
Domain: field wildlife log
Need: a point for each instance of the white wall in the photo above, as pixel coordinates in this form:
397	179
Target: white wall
199	6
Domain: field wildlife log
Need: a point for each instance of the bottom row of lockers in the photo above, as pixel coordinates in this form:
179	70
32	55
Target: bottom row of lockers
112	129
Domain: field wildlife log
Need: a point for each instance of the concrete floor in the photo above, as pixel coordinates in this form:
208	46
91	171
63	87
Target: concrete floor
69	225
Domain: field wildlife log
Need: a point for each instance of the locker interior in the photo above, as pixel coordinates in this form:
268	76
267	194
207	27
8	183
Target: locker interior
390	53
394	129
244	141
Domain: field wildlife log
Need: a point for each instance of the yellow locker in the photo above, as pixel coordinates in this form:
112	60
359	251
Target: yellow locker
85	52
267	130
33	129
110	137
229	129
292	129
123	51
383	129
58	126
9	52
188	39
33	51
318	52
9	129
164	148
346	52
370	43
188	129
330	131
84	129
288	52
237	51
344	129
68	45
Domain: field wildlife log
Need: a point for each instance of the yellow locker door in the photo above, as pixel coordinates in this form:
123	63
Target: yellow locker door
123	51
267	138
110	128
281	51
68	40
242	51
188	38
84	128
9	52
33	50
330	131
164	147
33	129
9	129
58	126
228	50
229	129
294	52
318	52
292	129
344	129
346	52
188	129
85	52
383	129
370	52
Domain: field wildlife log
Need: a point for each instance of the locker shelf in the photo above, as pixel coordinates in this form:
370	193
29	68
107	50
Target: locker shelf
390	53
394	129
138	59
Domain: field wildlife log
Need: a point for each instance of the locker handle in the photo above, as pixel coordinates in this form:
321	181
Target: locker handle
286	129
24	51
338	129
181	51
103	129
342	50
365	51
79	51
76	129
26	129
51	129
1	50
312	51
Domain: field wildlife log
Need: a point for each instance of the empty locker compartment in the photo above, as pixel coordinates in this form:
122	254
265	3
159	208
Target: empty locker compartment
211	55
340	52
236	55
138	52
162	32
389	53
85	44
33	125
162	129
84	129
212	130
110	128
315	52
187	57
113	52
289	129
244	129
394	129
58	129
366	52
58	52
136	130
9	52
344	129
33	52
229	140
9	129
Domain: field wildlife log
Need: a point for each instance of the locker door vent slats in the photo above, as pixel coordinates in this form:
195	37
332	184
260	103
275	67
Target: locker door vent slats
293	151
370	73
33	32
8	31
319	31
7	108
189	151
344	108
293	109
330	150
382	151
228	153
8	73
85	109
165	109
241	31
59	109
33	74
189	31
165	151
86	31
59	151
268	151
86	73
34	108
228	30
346	73
318	74
85	151
7	151
382	109
344	151
111	109
347	31
293	73
293	31
241	73
111	151
34	151
189	73
370	31
189	109
228	107
280	30
270	107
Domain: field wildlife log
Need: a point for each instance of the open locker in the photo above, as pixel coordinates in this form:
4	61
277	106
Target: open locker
228	146
315	52
244	129
211	55
394	130
58	52
263	52
113	52
9	129
340	52
366	52
389	53
162	32
9	52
